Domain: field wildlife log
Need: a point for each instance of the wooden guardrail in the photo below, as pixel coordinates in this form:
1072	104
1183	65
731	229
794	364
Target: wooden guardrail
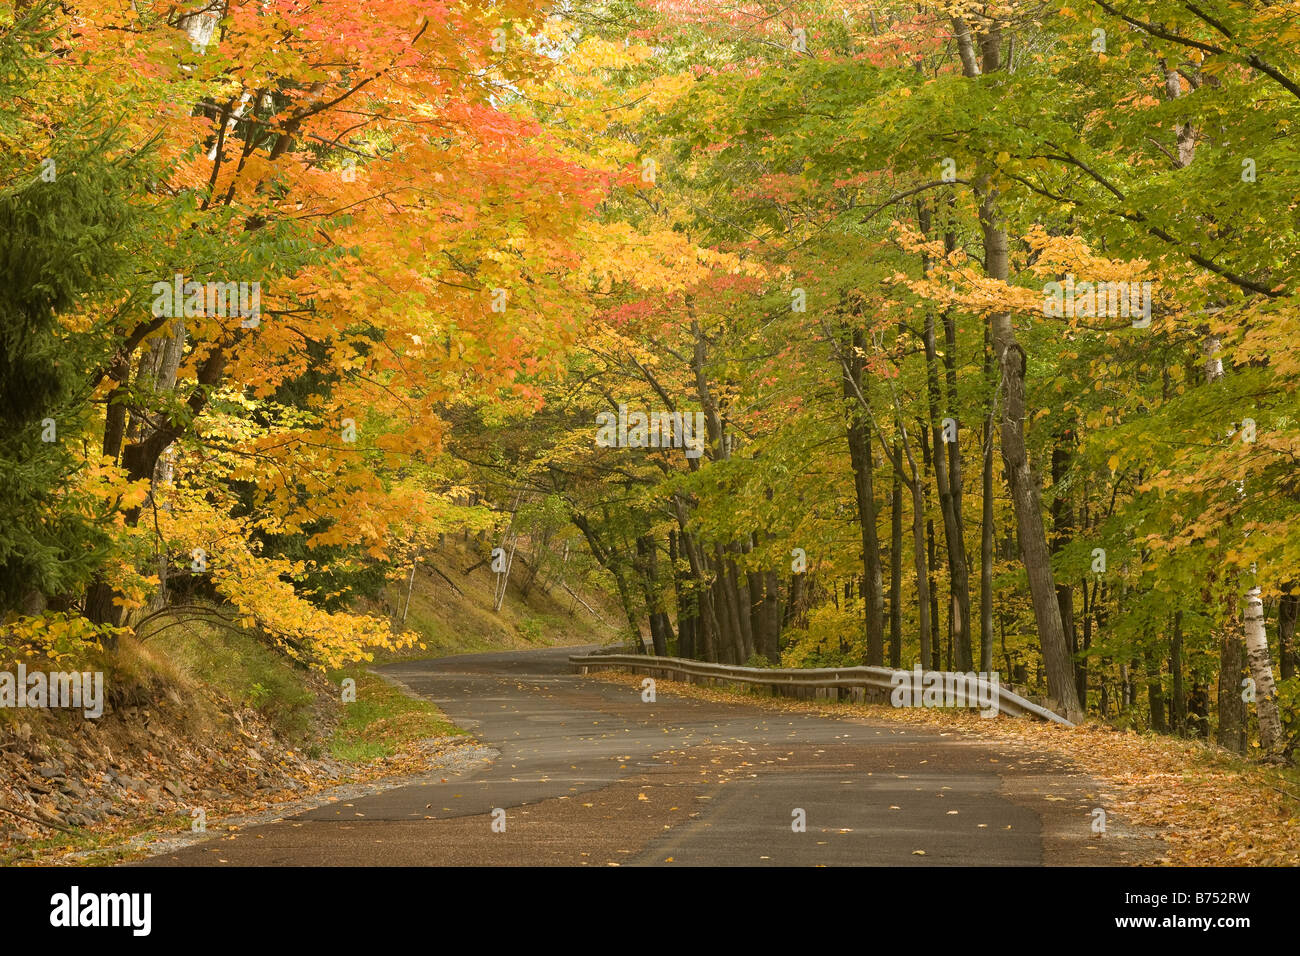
861	683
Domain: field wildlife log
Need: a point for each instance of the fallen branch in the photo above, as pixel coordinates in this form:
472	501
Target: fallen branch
1287	793
438	571
38	822
585	604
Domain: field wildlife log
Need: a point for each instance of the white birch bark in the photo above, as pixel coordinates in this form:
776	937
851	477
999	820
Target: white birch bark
1261	669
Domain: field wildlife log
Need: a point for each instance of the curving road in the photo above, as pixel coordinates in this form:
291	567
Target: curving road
589	774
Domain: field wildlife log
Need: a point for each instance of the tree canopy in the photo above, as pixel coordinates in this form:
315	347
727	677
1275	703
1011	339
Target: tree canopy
956	334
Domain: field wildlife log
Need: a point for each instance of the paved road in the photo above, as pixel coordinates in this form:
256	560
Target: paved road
589	774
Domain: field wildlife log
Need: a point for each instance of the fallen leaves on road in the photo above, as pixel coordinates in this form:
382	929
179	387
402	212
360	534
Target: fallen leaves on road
1208	806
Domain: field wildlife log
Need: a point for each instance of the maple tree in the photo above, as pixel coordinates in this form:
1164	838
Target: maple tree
355	165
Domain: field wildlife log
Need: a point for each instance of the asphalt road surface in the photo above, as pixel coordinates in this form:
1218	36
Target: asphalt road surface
589	774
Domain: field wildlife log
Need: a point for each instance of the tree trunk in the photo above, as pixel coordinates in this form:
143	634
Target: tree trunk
1232	709
1012	363
1155	693
1261	669
744	610
795	609
731	649
1062	533
1288	611
896	573
1025	496
986	526
920	563
1179	702
707	629
931	564
772	617
687	609
648	569
757	622
1198	710
860	457
948	484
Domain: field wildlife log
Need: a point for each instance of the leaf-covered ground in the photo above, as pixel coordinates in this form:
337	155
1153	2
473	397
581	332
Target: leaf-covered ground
97	791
